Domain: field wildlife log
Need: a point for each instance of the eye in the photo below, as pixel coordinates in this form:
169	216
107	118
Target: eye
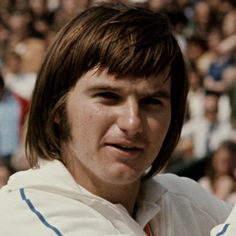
108	98
151	101
108	95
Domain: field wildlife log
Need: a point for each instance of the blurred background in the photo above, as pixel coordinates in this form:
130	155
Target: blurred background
206	32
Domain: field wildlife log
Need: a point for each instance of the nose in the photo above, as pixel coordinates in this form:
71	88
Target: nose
129	118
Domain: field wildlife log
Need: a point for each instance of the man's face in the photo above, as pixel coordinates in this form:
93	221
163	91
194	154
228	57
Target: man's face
117	127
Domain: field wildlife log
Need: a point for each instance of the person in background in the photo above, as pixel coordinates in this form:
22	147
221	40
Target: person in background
195	48
196	95
229	78
5	173
204	18
106	114
25	43
4	36
9	123
220	173
213	130
41	18
19	82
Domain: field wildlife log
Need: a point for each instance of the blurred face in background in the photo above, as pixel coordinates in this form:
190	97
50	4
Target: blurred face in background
19	26
39	7
213	39
202	13
158	4
195	81
229	24
223	161
211	108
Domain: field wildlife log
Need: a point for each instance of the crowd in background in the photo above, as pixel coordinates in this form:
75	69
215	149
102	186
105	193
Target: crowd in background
206	32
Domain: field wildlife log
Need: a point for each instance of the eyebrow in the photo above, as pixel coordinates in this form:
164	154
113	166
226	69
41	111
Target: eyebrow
101	87
158	93
155	93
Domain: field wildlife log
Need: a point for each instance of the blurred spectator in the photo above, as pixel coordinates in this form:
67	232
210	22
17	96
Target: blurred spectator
179	22
213	40
196	94
5	173
229	23
9	124
68	10
22	41
16	80
208	131
20	83
227	46
220	172
229	79
196	47
213	80
158	5
41	19
222	6
204	18
4	34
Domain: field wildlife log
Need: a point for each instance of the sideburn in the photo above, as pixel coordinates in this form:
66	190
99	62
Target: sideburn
64	126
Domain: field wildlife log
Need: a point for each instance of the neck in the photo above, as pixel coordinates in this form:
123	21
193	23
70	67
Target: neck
124	194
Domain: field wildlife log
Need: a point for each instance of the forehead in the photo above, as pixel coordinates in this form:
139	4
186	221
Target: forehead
101	79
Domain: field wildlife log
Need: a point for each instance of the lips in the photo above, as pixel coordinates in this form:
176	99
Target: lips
125	148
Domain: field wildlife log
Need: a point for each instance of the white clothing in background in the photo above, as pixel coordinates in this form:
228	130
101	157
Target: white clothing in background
200	130
21	84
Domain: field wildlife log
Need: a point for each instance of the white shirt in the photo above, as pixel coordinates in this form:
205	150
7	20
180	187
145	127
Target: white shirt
47	201
198	130
21	84
228	228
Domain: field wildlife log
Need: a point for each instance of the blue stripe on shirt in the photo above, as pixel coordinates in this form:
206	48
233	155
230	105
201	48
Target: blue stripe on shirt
38	214
221	233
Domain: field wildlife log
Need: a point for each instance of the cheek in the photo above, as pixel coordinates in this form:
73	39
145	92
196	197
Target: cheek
158	129
90	121
162	123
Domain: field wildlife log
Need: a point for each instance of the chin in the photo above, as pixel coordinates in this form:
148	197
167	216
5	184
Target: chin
124	178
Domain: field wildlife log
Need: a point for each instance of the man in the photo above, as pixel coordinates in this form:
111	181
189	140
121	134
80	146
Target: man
106	114
213	129
9	123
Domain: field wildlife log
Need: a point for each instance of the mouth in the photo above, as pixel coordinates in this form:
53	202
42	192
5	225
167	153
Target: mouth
126	149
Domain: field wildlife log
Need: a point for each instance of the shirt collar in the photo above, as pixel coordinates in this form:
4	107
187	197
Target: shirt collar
149	201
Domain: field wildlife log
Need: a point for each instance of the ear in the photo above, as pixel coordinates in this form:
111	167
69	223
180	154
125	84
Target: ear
57	119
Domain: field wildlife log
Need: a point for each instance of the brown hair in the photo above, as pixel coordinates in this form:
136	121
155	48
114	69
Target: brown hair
230	146
128	41
2	86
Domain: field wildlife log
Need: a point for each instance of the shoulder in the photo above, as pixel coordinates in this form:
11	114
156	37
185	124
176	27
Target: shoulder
184	187
178	185
228	228
185	191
